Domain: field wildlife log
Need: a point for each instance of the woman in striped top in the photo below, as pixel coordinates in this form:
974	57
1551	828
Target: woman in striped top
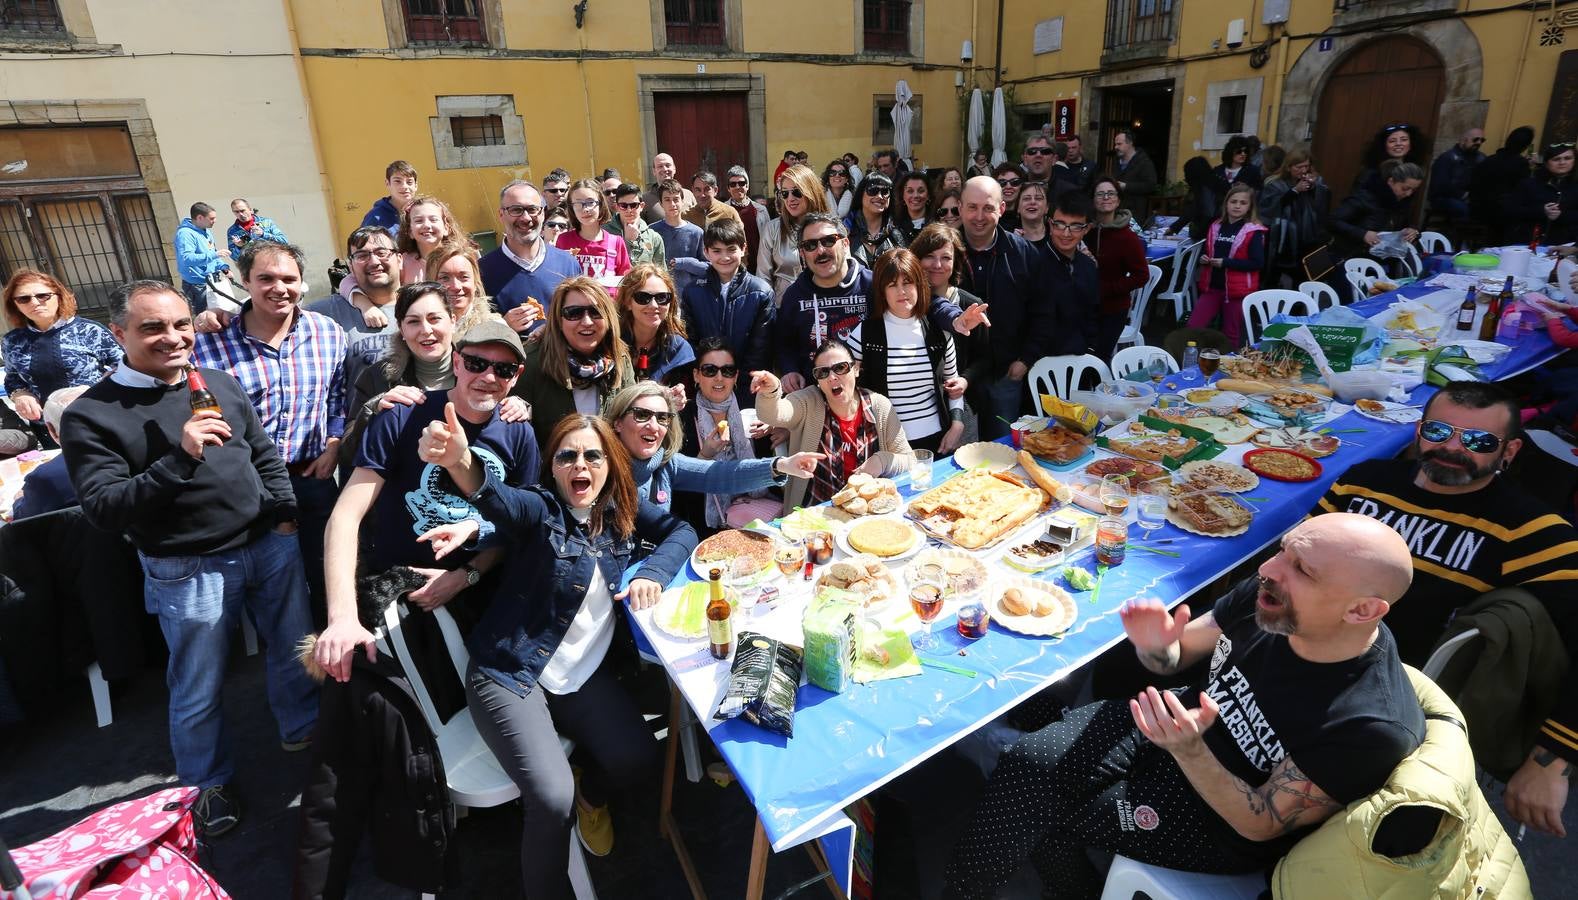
905	358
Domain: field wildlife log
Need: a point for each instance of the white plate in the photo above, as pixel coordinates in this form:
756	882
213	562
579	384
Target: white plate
912	572
1061	619
1394	413
989	455
670	599
768	574
1187	470
1223	402
841	539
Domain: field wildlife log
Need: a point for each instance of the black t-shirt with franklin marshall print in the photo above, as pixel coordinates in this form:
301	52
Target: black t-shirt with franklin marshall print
1346	724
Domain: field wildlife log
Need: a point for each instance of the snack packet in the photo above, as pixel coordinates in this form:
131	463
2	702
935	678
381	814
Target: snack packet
763	681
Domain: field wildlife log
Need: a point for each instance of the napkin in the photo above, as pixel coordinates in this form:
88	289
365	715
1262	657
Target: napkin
885	653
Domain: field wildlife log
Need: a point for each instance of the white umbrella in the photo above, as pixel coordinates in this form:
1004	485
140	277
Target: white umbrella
975	124
999	129
902	114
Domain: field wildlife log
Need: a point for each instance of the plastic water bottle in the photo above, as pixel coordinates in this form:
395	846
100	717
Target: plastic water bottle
1191	356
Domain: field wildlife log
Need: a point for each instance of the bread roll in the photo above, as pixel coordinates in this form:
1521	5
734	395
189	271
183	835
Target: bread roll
1015	603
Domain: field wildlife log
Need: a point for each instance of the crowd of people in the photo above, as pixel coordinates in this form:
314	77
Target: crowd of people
637	365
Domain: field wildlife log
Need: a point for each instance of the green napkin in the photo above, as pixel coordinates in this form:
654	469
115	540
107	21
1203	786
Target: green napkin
885	654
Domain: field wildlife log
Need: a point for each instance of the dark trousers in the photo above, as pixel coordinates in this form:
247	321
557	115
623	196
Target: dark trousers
523	733
196	295
314	501
1109	327
1092	780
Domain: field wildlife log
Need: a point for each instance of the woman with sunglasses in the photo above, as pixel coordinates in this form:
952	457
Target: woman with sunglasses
543	657
555	221
647	423
650	321
1121	267
871	228
905	358
603	256
948	208
716	428
914	191
1546	203
49	347
850	428
840	190
581	359
1236	167
1010	177
778	258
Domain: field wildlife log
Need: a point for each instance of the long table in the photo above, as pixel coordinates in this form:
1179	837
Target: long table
849	744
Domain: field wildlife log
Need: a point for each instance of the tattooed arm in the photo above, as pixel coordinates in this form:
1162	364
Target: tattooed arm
1287	801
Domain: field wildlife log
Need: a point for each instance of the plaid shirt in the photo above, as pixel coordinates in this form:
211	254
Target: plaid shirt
298	389
831	477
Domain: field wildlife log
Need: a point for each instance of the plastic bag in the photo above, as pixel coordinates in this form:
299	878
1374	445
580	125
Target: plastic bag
763	682
1391	246
1370	345
829	629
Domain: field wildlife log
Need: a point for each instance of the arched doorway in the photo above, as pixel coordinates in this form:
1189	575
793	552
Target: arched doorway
1383	82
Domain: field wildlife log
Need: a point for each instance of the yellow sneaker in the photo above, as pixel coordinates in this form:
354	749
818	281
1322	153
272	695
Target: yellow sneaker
594	826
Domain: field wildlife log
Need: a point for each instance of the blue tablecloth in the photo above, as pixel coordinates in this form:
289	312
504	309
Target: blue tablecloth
1530	351
1156	252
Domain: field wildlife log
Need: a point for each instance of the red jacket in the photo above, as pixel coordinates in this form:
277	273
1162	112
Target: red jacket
1238	283
1120	263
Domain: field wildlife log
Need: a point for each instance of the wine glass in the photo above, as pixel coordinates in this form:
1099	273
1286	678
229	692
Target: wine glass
926	600
1114	494
789	554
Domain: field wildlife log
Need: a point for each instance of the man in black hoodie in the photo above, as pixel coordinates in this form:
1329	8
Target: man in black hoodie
207	501
1069	325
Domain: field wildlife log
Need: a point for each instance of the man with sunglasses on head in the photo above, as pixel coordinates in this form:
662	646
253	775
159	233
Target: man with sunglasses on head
1471	532
645	245
1451	172
523	272
753	215
402	497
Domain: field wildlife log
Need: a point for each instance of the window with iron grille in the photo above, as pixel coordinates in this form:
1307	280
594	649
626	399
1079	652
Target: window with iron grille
31	17
694	23
446	22
477	131
1138	22
887	26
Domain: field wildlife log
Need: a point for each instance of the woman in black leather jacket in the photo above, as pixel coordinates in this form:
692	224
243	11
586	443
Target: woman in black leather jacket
540	661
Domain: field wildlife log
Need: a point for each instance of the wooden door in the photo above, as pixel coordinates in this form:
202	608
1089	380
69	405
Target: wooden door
1394	80
703	131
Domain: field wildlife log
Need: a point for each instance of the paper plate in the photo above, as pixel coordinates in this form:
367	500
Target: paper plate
1062	617
663	612
989	455
1246	480
1393	413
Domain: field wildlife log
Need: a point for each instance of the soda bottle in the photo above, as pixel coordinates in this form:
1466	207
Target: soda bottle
201	397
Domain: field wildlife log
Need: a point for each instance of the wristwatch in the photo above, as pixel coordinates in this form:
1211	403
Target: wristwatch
777	471
473	574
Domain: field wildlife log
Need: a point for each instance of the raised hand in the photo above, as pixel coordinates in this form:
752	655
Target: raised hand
1150	627
803	465
1168	724
974	315
764	381
443	443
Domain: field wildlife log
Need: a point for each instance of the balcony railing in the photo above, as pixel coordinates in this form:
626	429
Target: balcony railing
1132	23
445	23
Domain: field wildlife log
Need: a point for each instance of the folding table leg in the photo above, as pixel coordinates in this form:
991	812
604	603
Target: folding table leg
756	880
687	742
666	825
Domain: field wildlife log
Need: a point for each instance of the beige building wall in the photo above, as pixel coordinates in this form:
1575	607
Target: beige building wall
224	105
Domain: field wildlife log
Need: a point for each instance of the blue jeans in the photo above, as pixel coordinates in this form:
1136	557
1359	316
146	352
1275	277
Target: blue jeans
196	296
198	600
314	501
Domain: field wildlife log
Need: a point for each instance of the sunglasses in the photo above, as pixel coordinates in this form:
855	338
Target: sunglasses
577	313
1391	128
826	242
557	225
1038	151
44	297
611	192
823	373
647	298
1010	182
949	211
1474	440
643	416
476	365
630	206
557	190
839	172
792	192
739	184
709	370
515	211
564	459
879	192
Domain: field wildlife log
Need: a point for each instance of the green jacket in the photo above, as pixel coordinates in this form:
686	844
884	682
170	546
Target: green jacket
648	246
1507	680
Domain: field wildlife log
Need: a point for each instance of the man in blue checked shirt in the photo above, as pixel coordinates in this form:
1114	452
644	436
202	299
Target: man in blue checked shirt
291	363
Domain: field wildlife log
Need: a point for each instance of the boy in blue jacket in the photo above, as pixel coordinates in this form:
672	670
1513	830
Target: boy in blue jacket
730	303
400	178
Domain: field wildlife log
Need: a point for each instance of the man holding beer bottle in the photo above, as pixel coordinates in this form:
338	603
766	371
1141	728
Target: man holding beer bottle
206	499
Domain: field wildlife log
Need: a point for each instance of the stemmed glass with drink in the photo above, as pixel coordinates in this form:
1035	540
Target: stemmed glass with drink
789	554
1114	494
926	600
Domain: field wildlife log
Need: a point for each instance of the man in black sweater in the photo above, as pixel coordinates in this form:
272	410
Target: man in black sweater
207	501
1070	323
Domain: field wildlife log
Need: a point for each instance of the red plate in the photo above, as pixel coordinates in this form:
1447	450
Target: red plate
1254	456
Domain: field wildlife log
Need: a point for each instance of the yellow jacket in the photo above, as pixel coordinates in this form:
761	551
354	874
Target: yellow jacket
1470	856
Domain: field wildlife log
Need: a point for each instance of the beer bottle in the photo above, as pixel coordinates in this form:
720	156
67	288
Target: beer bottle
720	631
1466	312
1487	325
201	397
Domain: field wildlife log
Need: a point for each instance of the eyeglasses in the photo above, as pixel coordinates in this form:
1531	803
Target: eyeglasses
631	206
1106	195
879	192
516	210
739	184
1474	440
948	211
476	365
555	224
643	416
647	298
586	204
1038	151
566	458
380	253
708	370
1010	182
1067	227
826	242
823	373
45	297
577	313
792	192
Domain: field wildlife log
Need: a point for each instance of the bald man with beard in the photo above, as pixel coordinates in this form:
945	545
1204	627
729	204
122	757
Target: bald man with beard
1306	708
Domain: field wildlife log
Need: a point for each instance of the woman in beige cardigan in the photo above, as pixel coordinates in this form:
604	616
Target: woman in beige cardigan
855	430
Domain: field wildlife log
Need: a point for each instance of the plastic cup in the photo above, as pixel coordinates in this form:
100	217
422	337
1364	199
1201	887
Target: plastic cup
920	470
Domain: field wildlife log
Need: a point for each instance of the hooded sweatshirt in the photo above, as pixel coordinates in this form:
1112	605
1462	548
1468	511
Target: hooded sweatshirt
384	213
195	255
810	314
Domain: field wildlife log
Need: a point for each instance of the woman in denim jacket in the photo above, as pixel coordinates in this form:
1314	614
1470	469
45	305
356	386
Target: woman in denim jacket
539	657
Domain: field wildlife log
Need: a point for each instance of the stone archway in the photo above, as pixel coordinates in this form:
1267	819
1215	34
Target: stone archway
1461	106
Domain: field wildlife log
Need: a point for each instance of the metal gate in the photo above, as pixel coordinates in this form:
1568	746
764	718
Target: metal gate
91	240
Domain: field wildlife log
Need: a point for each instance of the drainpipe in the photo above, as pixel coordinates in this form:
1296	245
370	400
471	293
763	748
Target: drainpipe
997	57
306	101
1276	88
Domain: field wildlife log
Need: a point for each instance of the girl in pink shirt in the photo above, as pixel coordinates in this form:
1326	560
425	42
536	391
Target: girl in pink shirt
602	255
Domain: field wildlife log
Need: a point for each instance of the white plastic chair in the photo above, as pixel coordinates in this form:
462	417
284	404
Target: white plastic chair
475	777
1061	375
1443	654
1181	285
1434	242
1362	272
1128	878
1140	301
1322	293
1132	359
1413	263
1271	302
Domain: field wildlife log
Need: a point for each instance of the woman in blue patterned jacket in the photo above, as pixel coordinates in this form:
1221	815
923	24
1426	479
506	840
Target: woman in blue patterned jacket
49	346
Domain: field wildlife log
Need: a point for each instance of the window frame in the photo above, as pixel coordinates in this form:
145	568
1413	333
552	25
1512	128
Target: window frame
882	120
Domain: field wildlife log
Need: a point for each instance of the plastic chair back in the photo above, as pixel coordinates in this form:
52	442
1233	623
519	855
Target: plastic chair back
1362	273
1443	654
1129	878
1140	301
1061	375
1322	293
1181	286
1132	359
1271	302
1434	242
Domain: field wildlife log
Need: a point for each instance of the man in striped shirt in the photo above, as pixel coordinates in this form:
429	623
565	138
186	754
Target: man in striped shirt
1470	532
291	363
